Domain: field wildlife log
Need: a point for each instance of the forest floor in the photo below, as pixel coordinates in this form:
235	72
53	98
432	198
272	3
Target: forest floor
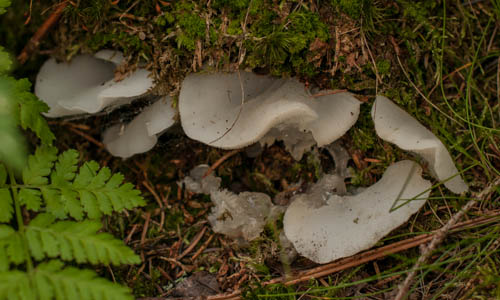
439	60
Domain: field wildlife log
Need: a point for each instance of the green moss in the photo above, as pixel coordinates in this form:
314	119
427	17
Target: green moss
383	66
127	42
234	27
234	5
192	29
281	48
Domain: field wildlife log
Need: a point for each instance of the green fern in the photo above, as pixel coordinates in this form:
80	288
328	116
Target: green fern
52	180
4	4
51	281
6	204
75	241
53	189
54	186
18	106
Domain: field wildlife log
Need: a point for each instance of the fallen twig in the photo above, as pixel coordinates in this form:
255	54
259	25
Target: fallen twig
88	137
220	161
439	236
145	228
328	93
195	241
34	42
202	248
153	192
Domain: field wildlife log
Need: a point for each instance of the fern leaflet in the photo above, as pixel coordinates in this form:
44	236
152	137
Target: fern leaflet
15	285
6	207
76	240
11	247
93	190
51	281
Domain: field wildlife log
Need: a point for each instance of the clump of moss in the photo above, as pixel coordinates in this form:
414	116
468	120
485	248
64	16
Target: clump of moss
283	47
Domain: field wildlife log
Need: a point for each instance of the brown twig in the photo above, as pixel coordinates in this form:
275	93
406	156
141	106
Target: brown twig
165	274
177	263
363	257
439	237
328	93
153	192
193	243
220	161
129	236
34	42
87	137
145	228
65	123
202	248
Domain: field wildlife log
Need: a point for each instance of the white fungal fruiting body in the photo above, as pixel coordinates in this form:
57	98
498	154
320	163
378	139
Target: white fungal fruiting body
346	225
212	109
86	84
198	183
140	135
396	126
240	215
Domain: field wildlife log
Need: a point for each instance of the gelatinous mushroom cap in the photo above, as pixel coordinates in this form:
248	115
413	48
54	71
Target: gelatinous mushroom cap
345	225
140	135
213	110
86	84
396	126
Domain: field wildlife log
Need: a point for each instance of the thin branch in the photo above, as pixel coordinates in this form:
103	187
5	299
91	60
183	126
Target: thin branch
193	243
220	161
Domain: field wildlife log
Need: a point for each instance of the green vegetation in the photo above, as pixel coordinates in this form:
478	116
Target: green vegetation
36	239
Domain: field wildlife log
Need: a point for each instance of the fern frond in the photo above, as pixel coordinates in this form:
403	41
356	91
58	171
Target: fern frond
12	247
12	146
30	112
65	169
102	193
39	166
93	190
3	5
31	198
76	240
15	285
6	207
54	281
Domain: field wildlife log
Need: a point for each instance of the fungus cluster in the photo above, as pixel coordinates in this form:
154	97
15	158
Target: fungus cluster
232	111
